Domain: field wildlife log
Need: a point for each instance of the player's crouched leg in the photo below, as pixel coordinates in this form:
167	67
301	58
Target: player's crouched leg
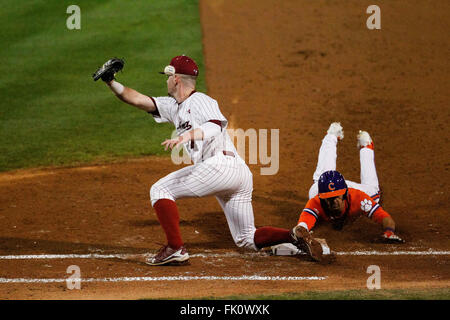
246	240
239	214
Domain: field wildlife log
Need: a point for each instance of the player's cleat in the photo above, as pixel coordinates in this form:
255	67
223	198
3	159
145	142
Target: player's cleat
337	130
364	140
304	241
169	256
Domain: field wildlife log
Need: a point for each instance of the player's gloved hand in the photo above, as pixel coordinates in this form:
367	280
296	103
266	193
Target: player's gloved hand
390	237
305	242
108	70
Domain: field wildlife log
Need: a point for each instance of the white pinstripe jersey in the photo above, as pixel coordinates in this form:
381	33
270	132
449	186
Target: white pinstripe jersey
196	110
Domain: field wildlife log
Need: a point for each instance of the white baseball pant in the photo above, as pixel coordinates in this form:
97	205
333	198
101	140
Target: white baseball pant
327	161
227	178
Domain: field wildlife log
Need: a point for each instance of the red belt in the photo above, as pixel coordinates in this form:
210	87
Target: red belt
228	153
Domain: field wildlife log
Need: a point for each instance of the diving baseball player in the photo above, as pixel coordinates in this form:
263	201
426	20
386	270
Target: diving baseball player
338	201
217	170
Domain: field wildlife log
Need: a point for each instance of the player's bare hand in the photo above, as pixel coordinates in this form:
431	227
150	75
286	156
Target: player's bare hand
171	143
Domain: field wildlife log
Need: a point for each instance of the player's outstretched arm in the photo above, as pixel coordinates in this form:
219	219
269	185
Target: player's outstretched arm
388	222
389	235
107	73
131	96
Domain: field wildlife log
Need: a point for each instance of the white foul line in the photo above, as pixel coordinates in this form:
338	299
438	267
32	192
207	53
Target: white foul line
190	278
216	255
394	253
179	278
63	256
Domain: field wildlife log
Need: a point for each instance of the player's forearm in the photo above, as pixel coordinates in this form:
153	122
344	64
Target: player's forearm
196	134
205	131
131	96
388	223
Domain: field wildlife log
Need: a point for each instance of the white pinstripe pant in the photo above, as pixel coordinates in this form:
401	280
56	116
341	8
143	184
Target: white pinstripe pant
228	179
327	161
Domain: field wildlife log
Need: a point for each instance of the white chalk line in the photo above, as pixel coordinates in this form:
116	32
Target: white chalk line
191	278
394	253
175	278
63	256
218	255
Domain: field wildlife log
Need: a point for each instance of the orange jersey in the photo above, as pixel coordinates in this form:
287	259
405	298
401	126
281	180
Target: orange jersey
357	203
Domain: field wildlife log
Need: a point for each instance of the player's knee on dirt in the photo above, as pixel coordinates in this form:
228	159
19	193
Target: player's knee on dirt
246	241
158	192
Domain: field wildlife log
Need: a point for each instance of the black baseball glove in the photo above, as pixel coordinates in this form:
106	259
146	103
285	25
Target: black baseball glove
305	242
107	71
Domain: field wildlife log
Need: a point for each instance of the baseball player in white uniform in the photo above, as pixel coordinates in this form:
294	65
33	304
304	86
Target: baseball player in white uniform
217	170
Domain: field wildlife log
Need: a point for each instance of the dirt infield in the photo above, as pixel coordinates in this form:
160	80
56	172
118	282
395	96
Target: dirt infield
289	65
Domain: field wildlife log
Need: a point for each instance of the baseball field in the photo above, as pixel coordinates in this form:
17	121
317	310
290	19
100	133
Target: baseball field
76	164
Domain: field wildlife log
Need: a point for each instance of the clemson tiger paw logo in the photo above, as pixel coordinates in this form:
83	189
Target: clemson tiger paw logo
366	205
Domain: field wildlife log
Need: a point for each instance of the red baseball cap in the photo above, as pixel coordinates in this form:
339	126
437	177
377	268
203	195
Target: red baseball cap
183	65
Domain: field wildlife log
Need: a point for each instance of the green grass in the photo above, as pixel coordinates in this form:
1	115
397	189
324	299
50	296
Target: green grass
51	111
392	294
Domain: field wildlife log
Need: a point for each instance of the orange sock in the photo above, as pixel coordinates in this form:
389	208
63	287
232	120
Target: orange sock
169	218
270	236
